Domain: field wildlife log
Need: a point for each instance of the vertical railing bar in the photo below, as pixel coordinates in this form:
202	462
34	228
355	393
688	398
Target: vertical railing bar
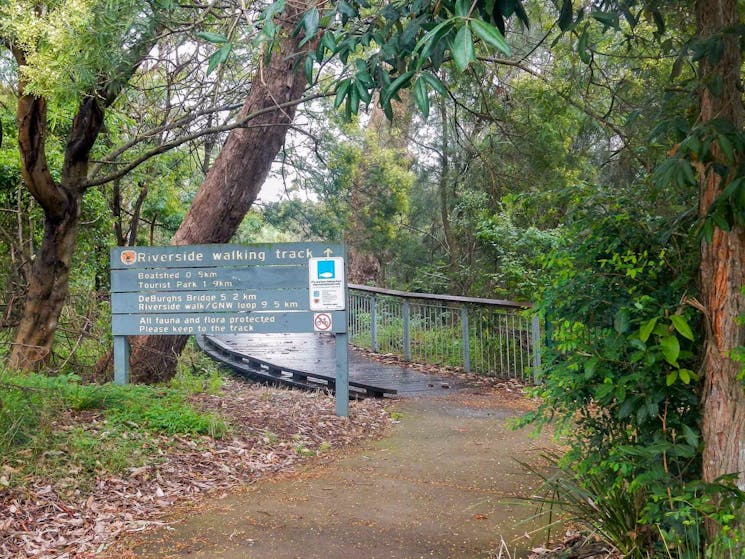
380	328
514	348
527	334
456	348
505	345
425	319
427	347
520	341
435	327
382	312
516	345
420	322
523	346
466	339
373	323
484	348
451	344
500	345
406	310
488	353
443	318
431	325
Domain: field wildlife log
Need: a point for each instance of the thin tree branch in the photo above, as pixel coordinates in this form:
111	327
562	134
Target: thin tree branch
188	138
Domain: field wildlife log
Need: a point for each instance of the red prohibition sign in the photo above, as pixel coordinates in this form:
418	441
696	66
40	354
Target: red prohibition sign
322	322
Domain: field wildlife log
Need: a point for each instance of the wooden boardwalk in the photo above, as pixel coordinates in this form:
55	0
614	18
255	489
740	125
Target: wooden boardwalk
315	353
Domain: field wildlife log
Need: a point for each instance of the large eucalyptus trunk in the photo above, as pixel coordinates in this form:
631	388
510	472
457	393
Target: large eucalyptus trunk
722	270
235	179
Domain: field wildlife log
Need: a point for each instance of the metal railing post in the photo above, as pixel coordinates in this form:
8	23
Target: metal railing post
374	323
466	340
535	342
407	329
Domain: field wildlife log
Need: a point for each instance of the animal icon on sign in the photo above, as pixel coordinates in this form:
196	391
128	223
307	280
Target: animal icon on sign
128	257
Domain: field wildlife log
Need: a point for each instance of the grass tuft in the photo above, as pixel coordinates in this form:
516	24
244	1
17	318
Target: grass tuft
58	426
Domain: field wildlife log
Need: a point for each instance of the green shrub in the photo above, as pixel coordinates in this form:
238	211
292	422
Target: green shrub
620	375
197	373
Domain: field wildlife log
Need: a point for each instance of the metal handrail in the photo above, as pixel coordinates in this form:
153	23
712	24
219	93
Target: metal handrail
432	296
488	336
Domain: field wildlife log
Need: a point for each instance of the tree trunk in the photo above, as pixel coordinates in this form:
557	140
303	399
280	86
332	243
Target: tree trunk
444	186
47	292
60	201
48	282
722	269
234	181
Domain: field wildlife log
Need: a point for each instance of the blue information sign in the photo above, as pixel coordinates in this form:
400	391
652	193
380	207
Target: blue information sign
229	289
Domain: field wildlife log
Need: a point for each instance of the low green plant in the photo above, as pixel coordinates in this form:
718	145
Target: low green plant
325	446
38	433
620	377
75	457
196	373
166	411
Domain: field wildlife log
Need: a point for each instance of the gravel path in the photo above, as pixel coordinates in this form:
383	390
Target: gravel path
443	484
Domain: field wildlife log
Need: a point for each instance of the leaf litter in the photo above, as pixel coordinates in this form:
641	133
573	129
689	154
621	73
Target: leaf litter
272	431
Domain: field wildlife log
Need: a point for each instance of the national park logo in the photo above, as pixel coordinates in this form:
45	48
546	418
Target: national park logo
128	257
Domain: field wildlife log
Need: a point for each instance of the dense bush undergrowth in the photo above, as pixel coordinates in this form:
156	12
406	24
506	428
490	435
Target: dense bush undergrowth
38	434
621	375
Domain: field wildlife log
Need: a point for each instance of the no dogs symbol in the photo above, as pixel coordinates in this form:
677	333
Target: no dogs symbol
322	322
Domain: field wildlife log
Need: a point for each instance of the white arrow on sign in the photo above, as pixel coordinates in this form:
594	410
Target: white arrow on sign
328	252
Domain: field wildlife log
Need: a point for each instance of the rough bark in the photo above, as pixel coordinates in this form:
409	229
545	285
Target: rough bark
722	269
60	201
49	278
235	179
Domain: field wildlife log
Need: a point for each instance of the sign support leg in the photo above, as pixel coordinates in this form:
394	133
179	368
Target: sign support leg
121	360
342	375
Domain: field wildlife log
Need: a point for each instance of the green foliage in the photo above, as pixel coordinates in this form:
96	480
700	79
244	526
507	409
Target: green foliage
620	374
34	413
404	43
165	412
596	500
362	193
516	254
196	373
70	45
307	220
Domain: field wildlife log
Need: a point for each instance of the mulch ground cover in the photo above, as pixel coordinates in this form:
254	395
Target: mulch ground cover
272	431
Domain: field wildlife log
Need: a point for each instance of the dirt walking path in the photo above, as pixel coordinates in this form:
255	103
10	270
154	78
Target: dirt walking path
443	484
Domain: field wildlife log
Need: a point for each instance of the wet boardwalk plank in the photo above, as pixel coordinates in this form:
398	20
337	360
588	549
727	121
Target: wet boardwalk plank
315	353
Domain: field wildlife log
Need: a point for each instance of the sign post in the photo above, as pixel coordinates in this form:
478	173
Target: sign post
230	289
